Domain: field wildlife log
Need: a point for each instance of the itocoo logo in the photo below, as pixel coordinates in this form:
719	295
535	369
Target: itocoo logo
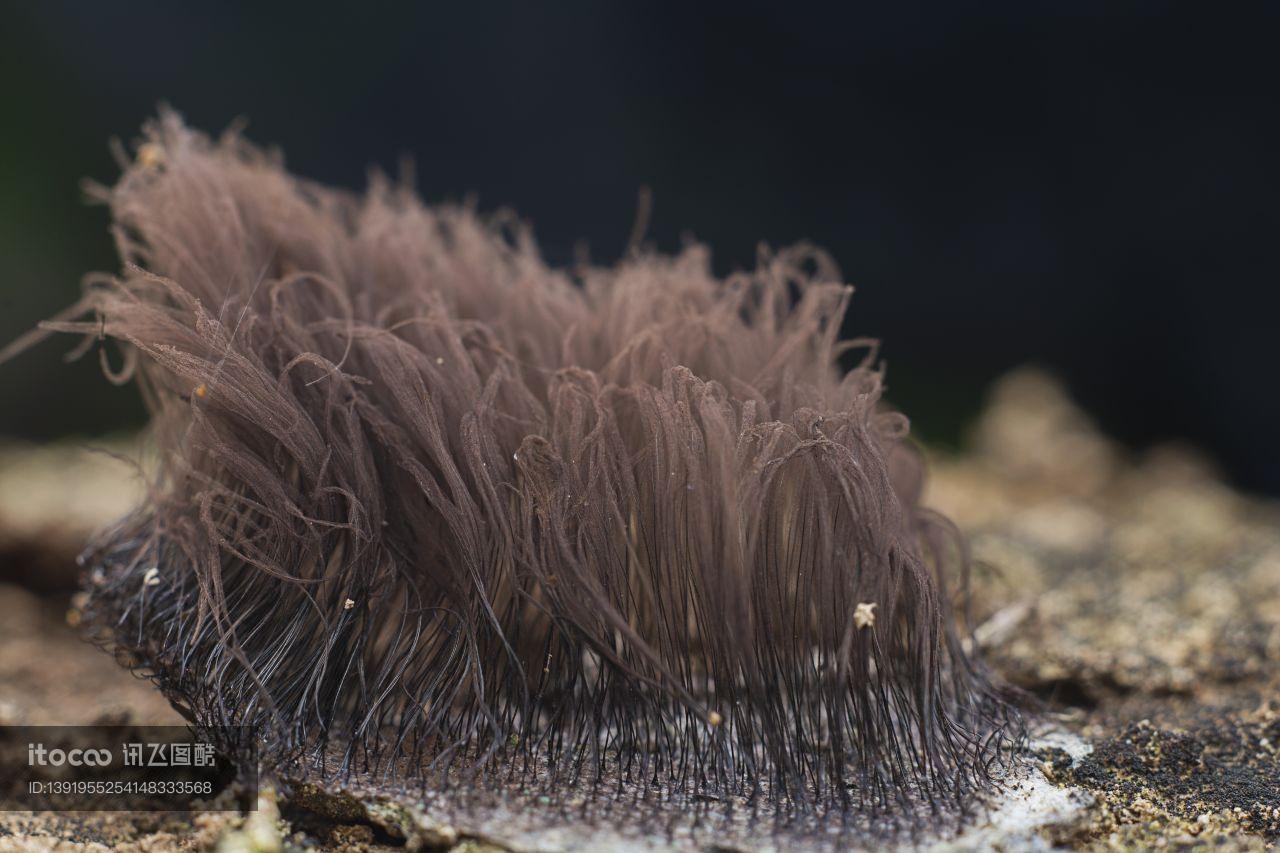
38	755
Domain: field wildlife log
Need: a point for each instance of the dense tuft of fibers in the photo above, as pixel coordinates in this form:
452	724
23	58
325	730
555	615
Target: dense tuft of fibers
434	507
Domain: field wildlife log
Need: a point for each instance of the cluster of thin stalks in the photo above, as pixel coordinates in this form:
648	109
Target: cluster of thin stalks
431	506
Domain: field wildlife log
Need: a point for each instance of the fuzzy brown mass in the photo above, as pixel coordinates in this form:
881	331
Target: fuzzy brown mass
434	506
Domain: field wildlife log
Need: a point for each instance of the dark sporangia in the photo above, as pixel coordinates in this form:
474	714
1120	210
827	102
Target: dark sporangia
428	505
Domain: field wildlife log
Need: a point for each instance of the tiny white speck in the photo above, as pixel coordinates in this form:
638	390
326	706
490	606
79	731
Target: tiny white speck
864	615
348	604
439	360
152	577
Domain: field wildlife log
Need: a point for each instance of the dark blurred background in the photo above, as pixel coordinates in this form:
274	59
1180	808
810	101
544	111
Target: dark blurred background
1086	186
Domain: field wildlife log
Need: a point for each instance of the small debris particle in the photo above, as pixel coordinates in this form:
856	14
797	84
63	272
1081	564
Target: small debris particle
864	615
348	604
201	390
714	718
152	577
150	156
